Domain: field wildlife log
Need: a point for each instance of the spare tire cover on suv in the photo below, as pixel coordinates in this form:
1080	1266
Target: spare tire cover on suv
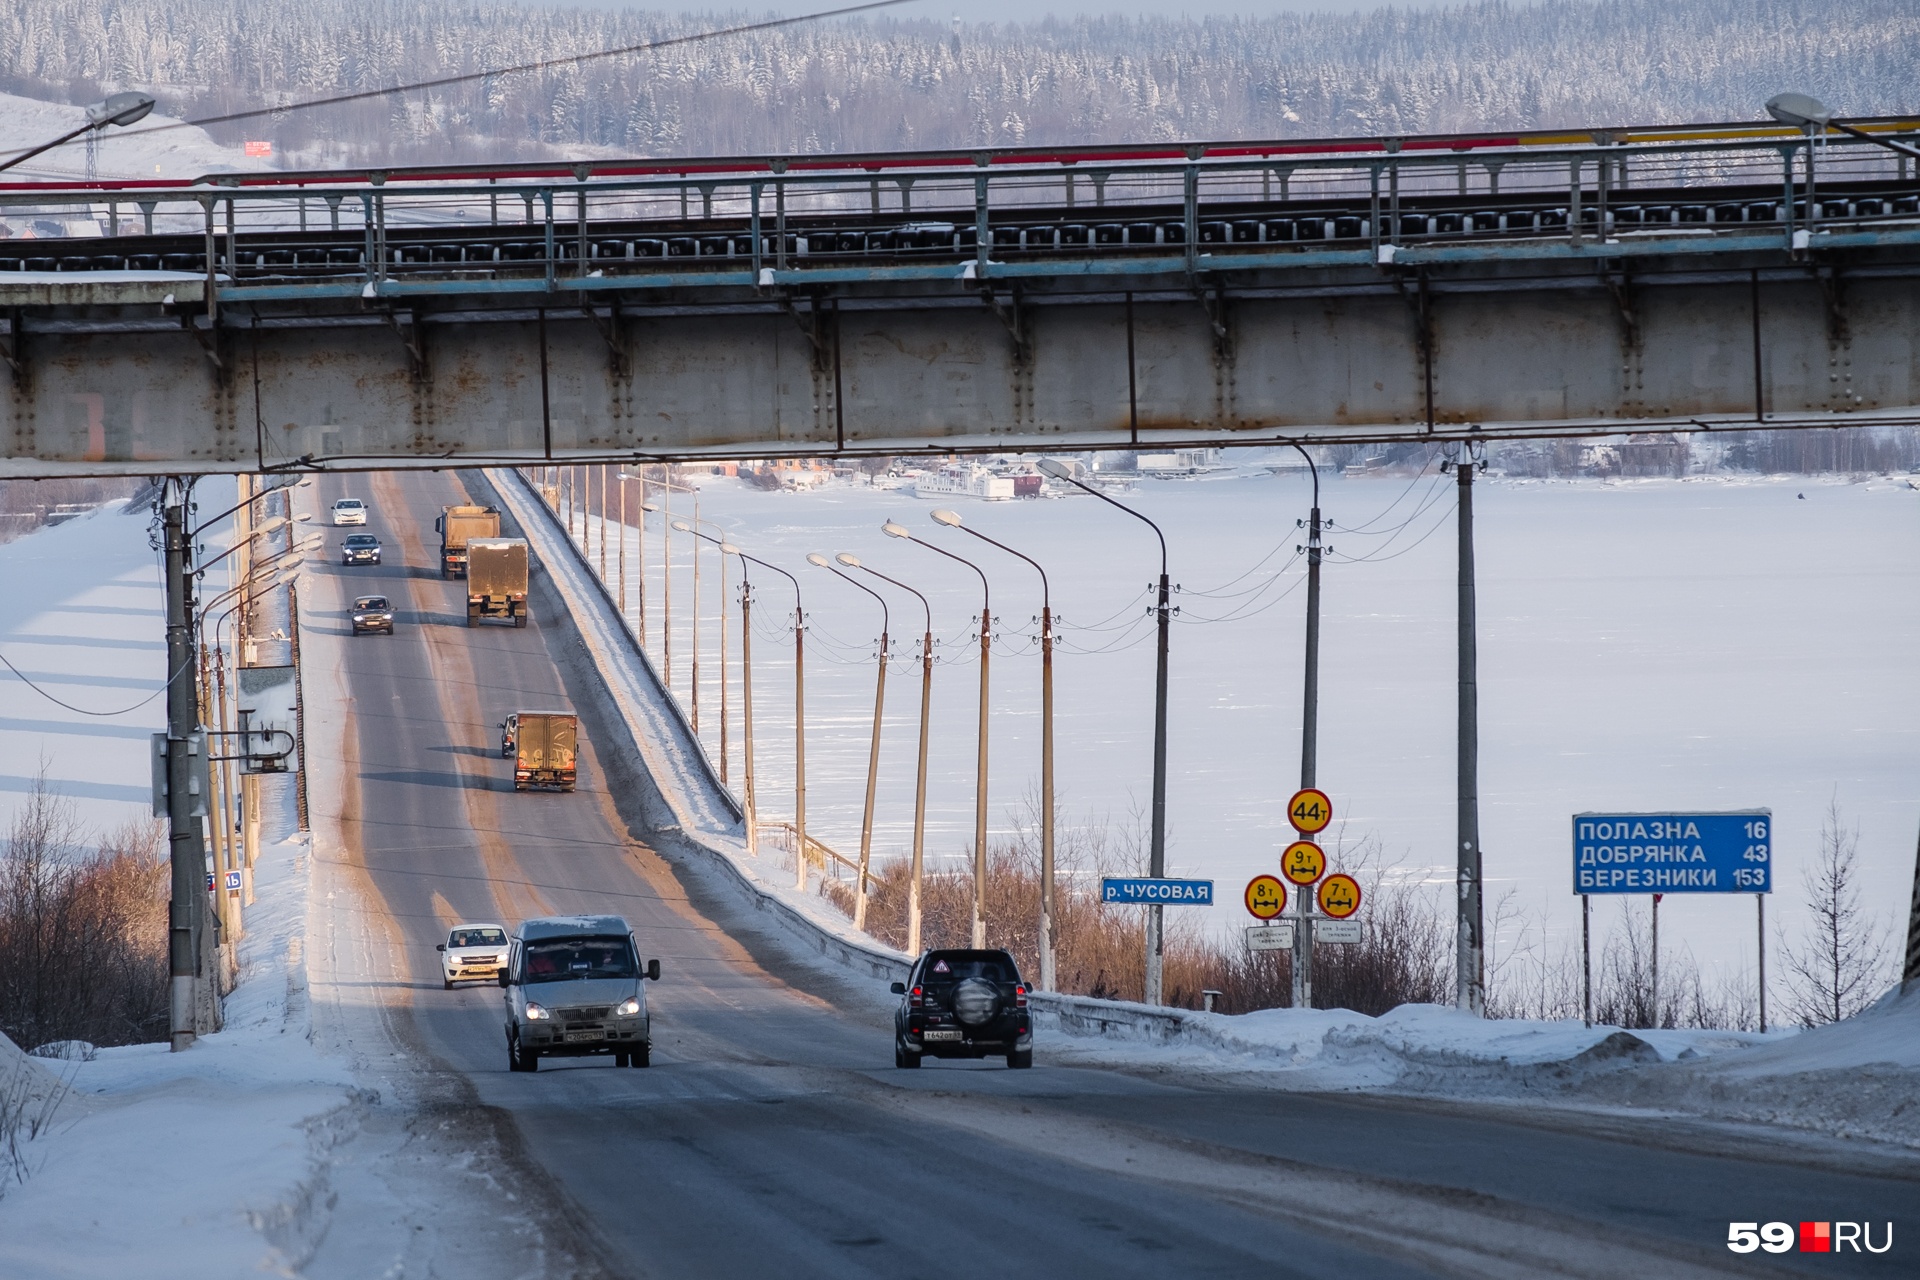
975	1000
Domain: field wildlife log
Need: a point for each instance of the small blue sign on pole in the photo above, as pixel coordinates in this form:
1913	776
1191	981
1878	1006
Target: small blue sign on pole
1147	891
1673	852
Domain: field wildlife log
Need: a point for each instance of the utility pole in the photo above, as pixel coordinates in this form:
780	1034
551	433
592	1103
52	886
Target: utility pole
920	786
1470	979
895	530
1309	743
818	560
187	909
1157	855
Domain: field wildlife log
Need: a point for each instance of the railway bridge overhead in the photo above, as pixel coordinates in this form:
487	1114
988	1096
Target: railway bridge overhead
1475	286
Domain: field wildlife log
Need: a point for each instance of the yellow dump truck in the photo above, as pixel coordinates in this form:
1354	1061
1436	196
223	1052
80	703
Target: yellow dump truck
496	580
543	745
458	526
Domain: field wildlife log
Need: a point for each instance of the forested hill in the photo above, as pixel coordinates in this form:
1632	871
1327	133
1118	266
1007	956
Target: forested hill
884	83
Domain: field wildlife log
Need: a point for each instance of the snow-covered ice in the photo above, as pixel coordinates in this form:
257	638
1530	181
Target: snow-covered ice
1703	644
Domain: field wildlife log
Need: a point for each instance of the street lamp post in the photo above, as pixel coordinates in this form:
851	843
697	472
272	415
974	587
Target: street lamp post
1157	853
1309	739
951	519
1809	113
799	719
873	751
121	109
684	527
893	530
920	783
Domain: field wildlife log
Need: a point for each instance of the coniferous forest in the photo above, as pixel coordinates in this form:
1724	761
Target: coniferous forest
905	82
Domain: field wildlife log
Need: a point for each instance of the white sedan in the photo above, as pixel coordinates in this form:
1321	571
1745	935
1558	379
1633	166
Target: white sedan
349	511
473	953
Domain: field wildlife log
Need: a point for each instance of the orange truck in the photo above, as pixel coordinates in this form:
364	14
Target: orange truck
544	746
458	526
497	580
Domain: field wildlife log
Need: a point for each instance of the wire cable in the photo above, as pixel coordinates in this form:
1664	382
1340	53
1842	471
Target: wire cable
82	710
544	64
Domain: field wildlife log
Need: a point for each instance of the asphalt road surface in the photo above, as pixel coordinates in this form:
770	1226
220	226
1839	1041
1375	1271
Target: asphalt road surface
773	1136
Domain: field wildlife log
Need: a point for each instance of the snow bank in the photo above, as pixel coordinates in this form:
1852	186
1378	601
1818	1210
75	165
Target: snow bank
207	1162
132	152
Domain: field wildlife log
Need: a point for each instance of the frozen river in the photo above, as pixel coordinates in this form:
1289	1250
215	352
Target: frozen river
1652	645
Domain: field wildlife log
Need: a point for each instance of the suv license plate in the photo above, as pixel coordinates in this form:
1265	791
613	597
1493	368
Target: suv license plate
940	1035
575	1036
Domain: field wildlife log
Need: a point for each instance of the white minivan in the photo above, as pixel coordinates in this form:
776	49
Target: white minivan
349	511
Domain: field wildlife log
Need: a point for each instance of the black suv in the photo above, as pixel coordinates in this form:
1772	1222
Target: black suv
963	1004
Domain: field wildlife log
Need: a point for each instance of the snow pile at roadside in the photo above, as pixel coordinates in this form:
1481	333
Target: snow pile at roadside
208	1162
1855	1079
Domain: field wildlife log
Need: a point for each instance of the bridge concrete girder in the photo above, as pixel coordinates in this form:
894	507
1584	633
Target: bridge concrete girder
1356	354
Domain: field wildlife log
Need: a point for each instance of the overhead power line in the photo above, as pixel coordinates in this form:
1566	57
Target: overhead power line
545	64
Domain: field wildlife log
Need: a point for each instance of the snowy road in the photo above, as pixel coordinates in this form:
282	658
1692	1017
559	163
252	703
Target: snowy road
770	1135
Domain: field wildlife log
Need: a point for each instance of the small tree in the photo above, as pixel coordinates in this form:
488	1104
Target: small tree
1839	964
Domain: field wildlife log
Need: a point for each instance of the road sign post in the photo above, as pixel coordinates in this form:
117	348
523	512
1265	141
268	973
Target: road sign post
1661	853
1309	810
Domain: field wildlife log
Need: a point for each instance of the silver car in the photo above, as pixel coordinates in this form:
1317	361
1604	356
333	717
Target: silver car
575	987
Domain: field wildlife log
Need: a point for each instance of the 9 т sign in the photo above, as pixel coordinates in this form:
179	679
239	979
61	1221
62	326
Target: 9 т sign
1673	852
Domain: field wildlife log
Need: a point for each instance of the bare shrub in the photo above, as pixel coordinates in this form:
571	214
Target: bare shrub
83	934
1100	951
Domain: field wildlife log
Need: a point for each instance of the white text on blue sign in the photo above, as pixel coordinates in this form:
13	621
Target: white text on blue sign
1673	852
1192	893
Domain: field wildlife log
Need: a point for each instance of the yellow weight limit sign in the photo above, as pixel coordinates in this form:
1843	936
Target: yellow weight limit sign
1266	897
1302	862
1309	811
1339	895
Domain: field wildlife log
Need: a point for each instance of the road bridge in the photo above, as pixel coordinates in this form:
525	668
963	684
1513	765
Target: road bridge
1473	286
772	1133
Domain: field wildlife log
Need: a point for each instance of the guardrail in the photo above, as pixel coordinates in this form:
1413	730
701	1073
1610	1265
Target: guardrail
771	223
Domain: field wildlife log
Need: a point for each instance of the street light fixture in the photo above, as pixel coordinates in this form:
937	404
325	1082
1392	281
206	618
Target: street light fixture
1809	113
951	519
873	752
920	784
1157	855
121	109
894	530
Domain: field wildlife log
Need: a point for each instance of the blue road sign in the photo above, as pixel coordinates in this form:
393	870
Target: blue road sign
1143	891
1673	852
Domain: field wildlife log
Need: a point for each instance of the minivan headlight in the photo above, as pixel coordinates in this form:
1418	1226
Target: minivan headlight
628	1007
535	1013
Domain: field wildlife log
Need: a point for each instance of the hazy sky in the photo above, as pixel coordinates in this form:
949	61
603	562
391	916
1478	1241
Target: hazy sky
1033	10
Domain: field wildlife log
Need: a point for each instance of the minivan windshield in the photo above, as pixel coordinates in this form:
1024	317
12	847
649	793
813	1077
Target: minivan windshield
558	959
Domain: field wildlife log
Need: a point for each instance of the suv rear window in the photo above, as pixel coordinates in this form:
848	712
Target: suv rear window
558	959
956	966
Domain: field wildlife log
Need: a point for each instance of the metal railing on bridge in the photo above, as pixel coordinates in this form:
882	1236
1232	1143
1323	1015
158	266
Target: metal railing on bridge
758	223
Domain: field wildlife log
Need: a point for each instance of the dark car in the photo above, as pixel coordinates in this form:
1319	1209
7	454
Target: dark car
372	613
963	1004
360	548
